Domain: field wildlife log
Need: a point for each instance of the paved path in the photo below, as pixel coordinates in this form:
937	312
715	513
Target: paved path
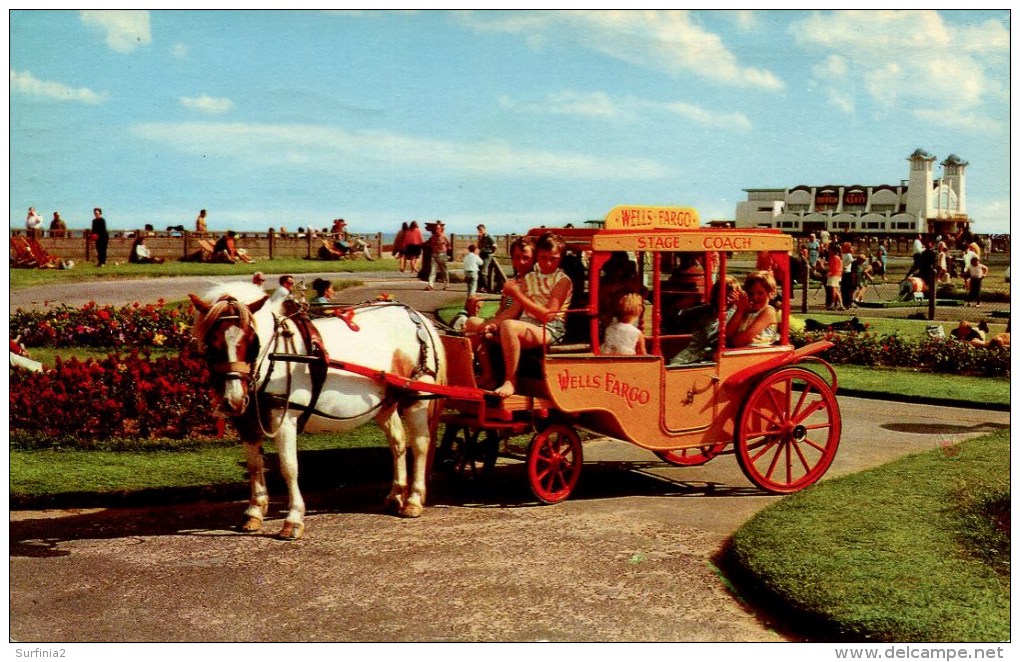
628	558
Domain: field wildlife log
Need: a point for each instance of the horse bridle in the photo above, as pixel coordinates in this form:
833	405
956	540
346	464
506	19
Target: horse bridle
234	370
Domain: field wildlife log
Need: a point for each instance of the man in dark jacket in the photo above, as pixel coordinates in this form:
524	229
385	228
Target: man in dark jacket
100	236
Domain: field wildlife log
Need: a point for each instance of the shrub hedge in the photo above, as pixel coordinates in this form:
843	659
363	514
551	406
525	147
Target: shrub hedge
942	355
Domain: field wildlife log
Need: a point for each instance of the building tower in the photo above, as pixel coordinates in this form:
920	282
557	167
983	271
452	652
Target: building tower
953	175
920	187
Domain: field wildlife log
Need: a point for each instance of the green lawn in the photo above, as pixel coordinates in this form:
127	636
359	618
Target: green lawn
131	468
903	384
85	272
915	550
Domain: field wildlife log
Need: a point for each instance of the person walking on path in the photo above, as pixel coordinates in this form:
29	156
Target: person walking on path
833	280
472	263
412	247
486	249
813	248
439	244
976	272
847	285
100	236
398	246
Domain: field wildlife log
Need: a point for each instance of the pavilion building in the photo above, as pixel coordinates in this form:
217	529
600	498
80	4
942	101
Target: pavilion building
922	204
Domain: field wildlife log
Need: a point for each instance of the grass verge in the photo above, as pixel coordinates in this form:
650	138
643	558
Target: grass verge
133	471
86	273
903	384
915	550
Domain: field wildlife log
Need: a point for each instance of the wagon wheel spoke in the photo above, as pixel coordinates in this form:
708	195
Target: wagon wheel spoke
795	412
781	408
769	444
800	455
815	445
815	406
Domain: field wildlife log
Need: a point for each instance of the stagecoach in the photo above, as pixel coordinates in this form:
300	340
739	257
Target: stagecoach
278	370
774	407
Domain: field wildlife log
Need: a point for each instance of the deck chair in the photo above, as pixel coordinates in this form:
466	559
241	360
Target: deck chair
43	258
21	254
203	254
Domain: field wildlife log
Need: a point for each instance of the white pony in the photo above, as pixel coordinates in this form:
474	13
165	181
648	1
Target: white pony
269	381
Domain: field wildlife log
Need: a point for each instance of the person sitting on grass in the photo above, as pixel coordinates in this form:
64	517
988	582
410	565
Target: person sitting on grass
226	250
977	336
540	304
140	253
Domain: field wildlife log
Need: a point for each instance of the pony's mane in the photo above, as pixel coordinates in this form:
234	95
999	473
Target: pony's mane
218	297
242	291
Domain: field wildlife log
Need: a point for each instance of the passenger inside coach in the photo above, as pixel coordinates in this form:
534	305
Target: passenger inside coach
705	337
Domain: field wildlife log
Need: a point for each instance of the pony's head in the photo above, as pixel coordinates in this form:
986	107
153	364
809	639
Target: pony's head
226	333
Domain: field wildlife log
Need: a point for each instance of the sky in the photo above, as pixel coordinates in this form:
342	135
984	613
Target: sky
510	118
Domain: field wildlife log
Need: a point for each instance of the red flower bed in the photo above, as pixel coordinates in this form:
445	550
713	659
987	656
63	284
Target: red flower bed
119	396
134	325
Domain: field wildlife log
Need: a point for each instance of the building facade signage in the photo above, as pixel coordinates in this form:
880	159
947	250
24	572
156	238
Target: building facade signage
652	218
855	197
826	199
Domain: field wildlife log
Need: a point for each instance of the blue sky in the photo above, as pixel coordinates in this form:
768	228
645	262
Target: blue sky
515	118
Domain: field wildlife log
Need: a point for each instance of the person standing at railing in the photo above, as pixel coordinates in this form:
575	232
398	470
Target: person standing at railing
33	223
200	224
100	236
57	226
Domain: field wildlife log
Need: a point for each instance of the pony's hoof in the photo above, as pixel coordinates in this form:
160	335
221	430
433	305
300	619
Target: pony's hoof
250	525
291	531
411	510
394	504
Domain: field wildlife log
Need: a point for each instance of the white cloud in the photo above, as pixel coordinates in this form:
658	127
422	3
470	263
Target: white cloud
842	101
334	149
912	58
125	30
25	83
973	122
179	51
669	41
736	121
601	106
207	104
745	19
594	105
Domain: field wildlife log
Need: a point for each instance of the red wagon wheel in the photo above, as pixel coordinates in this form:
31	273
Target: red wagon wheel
554	462
691	457
788	431
462	454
